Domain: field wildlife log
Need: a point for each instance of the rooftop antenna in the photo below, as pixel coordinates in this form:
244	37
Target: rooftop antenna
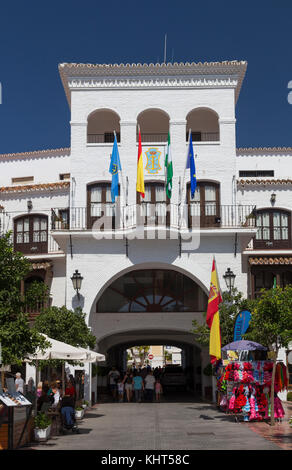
165	40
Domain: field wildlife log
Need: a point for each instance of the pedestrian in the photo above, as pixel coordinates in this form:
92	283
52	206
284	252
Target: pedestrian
113	376
70	391
158	390
149	386
138	387
128	381
19	382
121	387
39	389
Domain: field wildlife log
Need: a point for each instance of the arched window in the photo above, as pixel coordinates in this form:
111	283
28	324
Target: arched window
31	234
101	126
274	229
204	125
154	125
100	207
204	208
152	290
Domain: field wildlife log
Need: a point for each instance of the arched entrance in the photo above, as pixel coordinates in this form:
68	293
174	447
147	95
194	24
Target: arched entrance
151	306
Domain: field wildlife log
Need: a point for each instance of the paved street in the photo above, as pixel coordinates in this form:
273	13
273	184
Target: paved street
164	426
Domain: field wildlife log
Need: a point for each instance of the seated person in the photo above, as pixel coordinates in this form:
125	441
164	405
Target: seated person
67	410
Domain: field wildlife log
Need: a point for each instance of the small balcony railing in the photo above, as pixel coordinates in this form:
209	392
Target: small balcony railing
38	307
108	217
204	136
105	138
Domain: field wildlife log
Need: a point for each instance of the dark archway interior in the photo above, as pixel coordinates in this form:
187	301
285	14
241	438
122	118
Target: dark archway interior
152	290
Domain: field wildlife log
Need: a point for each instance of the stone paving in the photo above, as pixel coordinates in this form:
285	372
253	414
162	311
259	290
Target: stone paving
168	426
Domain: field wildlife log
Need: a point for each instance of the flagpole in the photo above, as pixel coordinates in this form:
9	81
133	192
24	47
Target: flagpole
122	179
183	183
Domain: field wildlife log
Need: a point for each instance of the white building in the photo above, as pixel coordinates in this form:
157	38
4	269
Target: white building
146	286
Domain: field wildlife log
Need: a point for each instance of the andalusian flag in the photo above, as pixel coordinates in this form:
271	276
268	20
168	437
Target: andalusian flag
140	174
168	169
212	319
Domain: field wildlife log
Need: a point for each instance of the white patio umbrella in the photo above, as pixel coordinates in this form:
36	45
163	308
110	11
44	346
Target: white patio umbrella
93	356
60	350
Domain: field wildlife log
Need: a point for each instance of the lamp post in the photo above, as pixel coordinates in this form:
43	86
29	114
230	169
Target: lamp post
77	281
229	277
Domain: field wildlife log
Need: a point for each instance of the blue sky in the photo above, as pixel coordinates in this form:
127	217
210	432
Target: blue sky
36	36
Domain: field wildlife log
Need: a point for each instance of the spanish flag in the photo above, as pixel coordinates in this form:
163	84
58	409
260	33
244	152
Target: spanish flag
212	318
140	174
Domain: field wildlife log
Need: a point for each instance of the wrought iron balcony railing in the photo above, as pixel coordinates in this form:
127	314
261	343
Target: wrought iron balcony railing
108	216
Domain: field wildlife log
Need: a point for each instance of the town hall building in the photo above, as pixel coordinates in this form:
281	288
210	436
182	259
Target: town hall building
146	263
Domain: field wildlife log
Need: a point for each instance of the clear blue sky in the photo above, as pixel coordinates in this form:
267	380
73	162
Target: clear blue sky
36	36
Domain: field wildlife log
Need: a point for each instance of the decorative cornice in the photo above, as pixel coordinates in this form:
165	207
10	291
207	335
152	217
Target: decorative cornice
263	151
262	182
177	75
265	260
41	265
37	154
35	187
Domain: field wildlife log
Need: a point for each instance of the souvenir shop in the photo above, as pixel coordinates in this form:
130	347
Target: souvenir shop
244	383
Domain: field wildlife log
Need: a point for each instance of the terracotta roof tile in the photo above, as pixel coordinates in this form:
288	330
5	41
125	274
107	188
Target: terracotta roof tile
263	182
35	187
264	260
37	153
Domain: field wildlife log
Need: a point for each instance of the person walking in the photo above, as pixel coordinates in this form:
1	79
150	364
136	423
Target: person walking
128	381
121	388
19	382
113	376
149	386
158	390
138	387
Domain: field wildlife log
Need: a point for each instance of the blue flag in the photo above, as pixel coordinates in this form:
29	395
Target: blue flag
191	165
114	168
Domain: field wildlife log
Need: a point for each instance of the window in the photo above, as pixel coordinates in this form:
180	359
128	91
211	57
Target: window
204	208
274	229
22	180
153	208
64	176
152	290
100	206
31	234
256	173
267	277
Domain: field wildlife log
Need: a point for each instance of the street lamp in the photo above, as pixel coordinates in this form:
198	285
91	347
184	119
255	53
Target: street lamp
229	277
77	281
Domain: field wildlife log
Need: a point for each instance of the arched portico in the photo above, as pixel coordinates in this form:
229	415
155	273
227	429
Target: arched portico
150	306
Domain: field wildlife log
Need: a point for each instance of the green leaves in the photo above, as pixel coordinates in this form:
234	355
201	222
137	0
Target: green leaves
16	337
271	323
65	325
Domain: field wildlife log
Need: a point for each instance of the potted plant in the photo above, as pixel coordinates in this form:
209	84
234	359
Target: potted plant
79	412
42	427
85	404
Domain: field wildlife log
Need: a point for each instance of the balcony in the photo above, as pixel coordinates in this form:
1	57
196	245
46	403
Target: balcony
112	217
34	310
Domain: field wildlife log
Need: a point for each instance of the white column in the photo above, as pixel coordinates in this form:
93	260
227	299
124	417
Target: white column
177	129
